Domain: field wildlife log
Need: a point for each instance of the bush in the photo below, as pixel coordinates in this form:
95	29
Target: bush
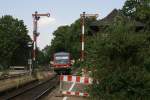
120	66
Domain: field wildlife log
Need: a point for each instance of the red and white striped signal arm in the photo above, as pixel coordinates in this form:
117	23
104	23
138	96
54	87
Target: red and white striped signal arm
77	79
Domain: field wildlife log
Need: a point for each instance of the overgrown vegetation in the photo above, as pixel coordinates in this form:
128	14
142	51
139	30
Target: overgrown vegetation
120	59
68	39
120	64
13	42
117	52
118	56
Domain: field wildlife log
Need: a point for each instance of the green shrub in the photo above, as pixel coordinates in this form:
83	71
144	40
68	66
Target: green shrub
120	64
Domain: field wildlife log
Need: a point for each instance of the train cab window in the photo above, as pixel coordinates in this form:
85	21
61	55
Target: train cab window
61	59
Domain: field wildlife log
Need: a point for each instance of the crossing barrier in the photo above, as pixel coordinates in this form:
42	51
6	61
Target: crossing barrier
75	93
76	81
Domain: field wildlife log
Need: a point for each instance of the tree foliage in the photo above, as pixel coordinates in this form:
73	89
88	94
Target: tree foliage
119	58
68	38
138	10
13	41
43	56
118	64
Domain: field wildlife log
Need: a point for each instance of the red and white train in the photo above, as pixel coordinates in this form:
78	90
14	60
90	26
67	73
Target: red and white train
62	63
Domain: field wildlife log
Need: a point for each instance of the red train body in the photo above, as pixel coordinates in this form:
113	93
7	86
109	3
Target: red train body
62	63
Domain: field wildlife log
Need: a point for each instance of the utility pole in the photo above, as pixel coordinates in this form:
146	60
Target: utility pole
83	16
36	17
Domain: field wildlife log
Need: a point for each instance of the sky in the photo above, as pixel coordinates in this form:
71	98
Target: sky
62	12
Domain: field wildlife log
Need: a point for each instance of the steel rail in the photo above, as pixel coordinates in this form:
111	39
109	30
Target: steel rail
18	95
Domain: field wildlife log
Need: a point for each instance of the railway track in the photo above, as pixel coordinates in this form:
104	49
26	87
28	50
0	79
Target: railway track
32	91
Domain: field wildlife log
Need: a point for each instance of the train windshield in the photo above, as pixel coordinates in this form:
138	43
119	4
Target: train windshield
61	59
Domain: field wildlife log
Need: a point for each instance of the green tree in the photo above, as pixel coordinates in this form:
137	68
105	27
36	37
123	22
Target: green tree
68	38
43	56
13	41
119	58
60	42
118	65
138	10
130	7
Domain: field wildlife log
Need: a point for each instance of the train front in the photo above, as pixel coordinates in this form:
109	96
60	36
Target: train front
62	63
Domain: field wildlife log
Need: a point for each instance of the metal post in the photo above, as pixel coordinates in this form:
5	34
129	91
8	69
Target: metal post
30	65
30	57
82	36
83	16
36	17
35	35
60	84
34	47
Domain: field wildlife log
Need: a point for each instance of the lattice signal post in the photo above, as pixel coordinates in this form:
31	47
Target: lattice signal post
36	16
83	16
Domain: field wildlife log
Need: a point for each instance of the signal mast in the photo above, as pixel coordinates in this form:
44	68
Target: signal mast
82	17
36	16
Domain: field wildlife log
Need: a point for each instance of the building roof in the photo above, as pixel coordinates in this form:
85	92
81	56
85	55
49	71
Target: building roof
106	20
109	19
